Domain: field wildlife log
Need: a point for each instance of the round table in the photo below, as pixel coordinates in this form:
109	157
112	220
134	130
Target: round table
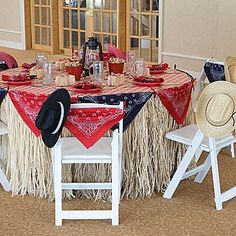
149	159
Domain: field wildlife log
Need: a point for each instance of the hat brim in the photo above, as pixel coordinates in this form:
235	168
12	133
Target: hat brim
229	63
210	91
60	95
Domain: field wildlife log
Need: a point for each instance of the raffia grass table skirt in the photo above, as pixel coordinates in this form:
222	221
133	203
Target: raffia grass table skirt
149	159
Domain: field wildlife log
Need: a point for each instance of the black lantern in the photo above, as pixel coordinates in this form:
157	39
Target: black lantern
91	50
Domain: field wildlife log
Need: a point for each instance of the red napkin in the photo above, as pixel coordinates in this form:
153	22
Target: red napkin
116	52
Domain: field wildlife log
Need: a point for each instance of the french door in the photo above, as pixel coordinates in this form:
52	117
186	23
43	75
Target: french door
41	24
57	26
82	19
143	28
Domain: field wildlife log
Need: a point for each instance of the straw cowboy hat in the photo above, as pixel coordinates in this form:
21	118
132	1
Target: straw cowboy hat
52	116
230	69
216	109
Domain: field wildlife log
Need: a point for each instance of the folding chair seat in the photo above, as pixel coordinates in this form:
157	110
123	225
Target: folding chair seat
105	150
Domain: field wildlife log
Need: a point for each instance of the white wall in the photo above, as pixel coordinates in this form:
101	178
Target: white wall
196	30
12	28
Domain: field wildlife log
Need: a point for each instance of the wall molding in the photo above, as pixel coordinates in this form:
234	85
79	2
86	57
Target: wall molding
10	31
11	44
170	54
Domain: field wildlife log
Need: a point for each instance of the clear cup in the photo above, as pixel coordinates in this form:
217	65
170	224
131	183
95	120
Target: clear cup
41	58
47	70
139	67
98	71
130	60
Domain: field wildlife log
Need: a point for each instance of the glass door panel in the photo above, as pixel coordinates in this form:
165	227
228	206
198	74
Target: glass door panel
41	24
142	22
85	18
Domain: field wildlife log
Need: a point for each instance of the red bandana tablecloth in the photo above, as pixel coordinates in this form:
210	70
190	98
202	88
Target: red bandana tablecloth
87	124
175	94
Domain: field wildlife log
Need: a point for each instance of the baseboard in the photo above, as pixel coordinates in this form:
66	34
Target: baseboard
10	44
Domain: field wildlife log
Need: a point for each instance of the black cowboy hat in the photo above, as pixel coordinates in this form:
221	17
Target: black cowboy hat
52	116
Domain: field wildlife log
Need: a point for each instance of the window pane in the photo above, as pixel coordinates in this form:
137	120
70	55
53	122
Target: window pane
114	40
155	51
106	4
36	15
83	3
145	5
82	38
145	50
66	3
114	23
74	3
144	25
66	39
66	18
43	2
49	36
106	39
134	5
75	39
74	19
134	45
82	20
134	25
155	5
37	35
98	37
97	21
106	22
44	36
114	5
36	1
154	26
49	17
97	3
44	15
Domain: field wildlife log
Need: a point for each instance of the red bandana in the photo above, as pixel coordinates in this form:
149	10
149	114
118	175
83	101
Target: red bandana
176	100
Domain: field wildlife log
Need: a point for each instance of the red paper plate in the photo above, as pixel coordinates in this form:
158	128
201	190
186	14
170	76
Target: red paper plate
156	72
149	84
18	83
92	90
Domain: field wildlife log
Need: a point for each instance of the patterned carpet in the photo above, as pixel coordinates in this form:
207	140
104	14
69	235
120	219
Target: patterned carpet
190	212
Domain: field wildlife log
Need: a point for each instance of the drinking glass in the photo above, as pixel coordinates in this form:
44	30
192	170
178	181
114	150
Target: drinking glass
130	59
41	58
139	68
47	69
98	71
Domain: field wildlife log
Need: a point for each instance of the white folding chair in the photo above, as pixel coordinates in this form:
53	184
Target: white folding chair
197	141
3	179
107	150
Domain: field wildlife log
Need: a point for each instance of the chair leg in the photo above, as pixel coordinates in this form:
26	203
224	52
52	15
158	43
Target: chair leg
215	174
58	190
202	174
4	181
120	175
232	150
183	165
115	193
